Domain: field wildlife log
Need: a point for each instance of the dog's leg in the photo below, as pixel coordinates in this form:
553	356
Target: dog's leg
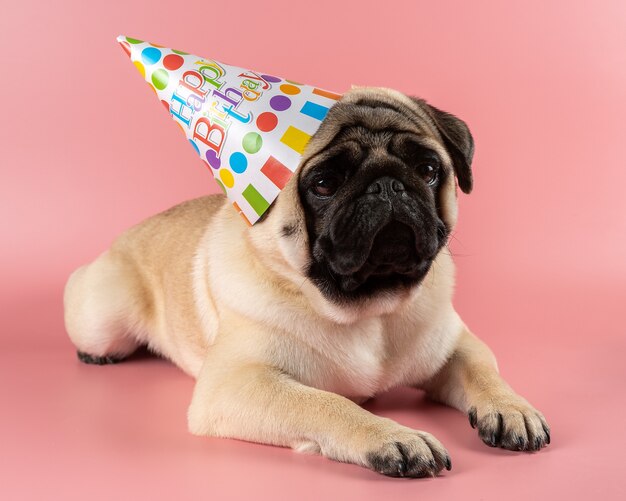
256	402
470	382
100	301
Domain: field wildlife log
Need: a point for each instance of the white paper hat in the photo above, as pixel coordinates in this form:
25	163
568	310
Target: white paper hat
249	127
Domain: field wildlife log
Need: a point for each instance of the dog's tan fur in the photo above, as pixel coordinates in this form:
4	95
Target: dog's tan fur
276	362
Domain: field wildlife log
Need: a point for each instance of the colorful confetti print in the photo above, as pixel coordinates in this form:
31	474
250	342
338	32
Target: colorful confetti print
249	128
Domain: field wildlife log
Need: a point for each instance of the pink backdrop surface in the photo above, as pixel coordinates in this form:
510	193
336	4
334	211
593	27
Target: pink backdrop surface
86	151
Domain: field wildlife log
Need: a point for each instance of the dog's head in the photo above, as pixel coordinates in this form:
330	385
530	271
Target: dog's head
374	199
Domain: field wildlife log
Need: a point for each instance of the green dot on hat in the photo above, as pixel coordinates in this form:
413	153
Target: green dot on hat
160	78
221	185
252	142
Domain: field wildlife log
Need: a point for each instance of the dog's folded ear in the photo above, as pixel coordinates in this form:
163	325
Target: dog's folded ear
458	141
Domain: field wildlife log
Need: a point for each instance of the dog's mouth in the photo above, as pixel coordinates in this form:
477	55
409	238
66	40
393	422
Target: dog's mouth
393	261
393	248
373	246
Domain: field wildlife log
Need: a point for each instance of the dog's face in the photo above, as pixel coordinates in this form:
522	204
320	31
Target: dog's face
375	197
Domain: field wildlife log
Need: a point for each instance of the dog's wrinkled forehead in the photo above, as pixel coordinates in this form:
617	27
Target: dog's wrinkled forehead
377	110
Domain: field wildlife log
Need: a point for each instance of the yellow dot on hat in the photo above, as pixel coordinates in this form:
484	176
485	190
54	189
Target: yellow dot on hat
292	90
227	178
140	67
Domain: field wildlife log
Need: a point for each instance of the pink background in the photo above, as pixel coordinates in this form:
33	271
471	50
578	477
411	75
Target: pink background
86	151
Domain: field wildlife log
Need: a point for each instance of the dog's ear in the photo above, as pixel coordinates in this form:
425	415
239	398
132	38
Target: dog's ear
458	141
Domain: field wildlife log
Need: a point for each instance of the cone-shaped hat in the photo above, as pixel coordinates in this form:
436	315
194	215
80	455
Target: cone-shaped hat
249	127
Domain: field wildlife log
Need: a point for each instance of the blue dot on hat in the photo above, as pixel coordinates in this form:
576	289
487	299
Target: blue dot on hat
151	55
238	162
195	146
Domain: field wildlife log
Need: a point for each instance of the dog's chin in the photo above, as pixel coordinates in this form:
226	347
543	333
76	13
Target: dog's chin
393	266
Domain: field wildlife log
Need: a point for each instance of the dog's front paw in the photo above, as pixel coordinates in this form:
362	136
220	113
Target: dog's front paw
511	423
404	452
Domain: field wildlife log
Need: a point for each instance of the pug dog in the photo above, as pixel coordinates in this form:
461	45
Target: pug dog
341	291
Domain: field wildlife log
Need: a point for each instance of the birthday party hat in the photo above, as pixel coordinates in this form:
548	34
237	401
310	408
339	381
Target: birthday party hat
250	128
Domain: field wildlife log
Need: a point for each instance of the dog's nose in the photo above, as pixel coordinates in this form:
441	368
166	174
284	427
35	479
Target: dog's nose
386	187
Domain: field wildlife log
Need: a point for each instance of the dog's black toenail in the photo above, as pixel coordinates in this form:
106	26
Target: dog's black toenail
448	463
498	433
401	468
546	430
472	417
402	465
86	358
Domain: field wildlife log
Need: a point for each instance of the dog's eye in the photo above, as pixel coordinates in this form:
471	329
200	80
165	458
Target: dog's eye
429	172
326	185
